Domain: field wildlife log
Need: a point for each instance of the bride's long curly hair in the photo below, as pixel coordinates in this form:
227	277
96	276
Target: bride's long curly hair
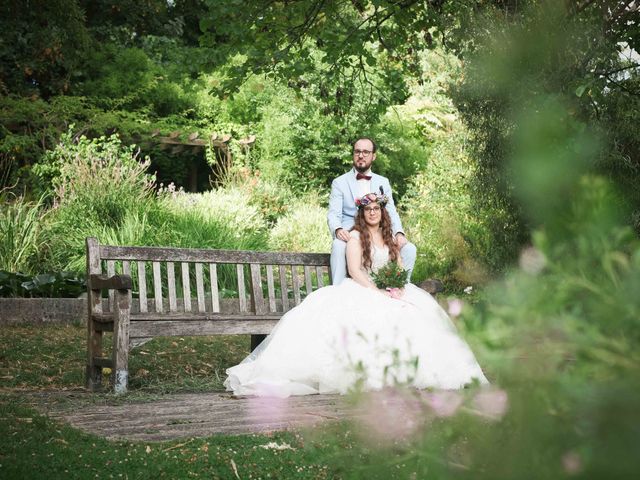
365	238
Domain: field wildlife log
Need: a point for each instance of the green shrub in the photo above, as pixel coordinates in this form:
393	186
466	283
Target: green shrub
52	285
100	175
464	234
98	184
454	238
119	76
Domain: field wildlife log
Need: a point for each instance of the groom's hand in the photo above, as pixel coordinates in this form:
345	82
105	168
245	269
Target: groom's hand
401	240
343	235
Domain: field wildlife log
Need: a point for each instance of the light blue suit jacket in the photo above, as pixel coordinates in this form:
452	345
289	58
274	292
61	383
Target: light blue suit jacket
342	204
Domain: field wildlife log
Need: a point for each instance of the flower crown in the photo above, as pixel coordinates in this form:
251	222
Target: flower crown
380	199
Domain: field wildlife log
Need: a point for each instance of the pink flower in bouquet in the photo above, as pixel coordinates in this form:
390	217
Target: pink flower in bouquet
395	292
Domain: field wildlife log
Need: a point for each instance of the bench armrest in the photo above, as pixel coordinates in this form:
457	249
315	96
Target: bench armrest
115	282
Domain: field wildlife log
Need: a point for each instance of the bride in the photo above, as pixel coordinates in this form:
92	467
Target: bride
354	335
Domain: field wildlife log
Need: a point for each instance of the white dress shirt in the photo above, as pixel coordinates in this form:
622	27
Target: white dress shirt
364	186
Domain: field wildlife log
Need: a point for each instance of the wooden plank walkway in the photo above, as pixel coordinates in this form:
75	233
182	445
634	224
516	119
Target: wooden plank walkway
201	414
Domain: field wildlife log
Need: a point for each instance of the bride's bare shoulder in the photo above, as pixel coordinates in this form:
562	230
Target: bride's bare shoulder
354	234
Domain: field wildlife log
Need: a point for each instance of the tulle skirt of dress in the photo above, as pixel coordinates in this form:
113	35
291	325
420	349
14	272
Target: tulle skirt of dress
347	335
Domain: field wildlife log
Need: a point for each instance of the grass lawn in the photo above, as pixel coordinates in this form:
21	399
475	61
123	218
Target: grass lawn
33	446
49	359
53	357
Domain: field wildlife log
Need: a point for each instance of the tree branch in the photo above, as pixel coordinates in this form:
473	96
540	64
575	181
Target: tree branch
623	87
616	70
580	7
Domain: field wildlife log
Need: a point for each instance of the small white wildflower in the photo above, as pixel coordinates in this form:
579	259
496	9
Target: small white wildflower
468	290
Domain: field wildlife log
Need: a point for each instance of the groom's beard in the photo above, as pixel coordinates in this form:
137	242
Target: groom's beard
361	169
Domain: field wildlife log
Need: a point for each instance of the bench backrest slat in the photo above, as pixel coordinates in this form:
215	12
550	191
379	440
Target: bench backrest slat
271	293
215	298
171	286
296	284
142	286
257	298
242	294
157	287
186	286
307	279
200	287
284	289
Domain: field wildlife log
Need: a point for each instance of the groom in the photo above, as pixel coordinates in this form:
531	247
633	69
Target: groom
342	208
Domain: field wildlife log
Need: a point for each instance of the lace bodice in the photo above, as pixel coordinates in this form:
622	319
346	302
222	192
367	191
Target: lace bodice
379	255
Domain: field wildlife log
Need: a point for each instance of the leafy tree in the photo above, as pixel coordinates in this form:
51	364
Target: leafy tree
340	45
344	44
41	46
571	54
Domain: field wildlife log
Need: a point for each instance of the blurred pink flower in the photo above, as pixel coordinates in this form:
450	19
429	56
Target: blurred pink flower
455	307
532	260
445	403
267	408
491	403
572	463
390	415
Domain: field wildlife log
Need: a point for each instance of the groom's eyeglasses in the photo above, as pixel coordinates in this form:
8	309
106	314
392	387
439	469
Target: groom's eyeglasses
372	209
365	153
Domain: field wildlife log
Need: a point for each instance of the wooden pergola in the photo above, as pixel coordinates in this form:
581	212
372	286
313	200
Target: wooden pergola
193	141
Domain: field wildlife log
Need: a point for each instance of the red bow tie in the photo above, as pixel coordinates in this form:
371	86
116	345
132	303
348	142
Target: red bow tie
361	176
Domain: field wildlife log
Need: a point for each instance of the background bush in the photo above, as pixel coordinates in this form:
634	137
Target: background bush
303	229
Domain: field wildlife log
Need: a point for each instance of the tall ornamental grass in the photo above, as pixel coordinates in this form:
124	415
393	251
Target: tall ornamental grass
222	218
21	237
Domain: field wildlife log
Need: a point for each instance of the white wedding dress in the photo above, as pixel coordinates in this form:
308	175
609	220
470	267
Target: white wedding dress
345	336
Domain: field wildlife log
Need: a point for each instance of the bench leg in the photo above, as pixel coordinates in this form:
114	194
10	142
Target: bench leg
122	310
93	375
256	340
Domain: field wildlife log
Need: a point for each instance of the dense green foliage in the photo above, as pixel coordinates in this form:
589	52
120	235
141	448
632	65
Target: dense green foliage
525	150
48	285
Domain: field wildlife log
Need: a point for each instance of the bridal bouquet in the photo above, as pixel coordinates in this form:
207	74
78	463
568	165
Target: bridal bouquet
391	276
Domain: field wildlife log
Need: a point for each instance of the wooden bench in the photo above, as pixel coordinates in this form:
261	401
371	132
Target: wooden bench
195	302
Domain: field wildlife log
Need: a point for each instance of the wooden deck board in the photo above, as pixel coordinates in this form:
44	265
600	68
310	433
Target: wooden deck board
202	414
